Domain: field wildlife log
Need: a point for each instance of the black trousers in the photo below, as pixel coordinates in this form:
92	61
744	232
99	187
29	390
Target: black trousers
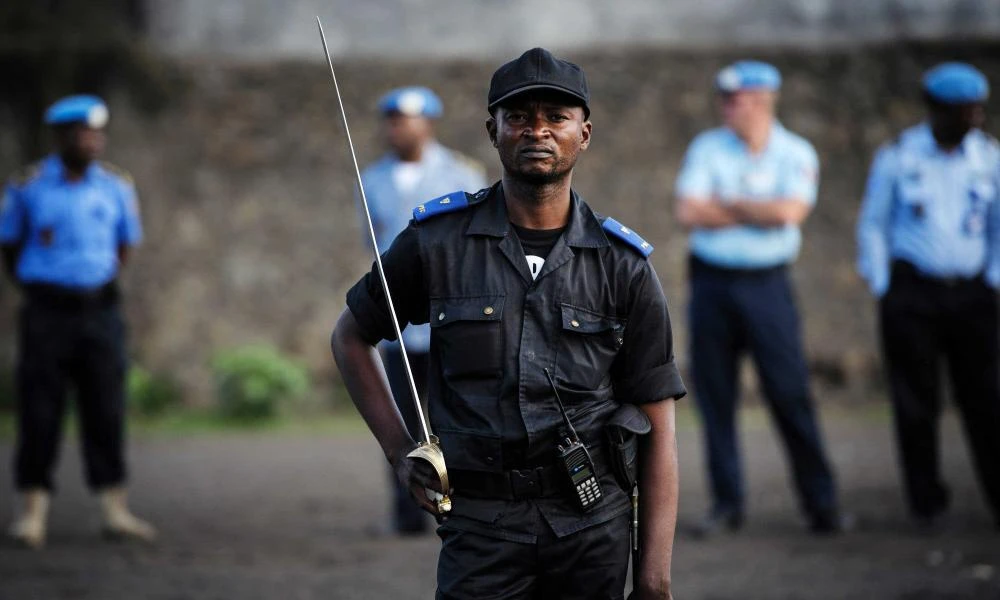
61	348
407	516
589	564
923	322
736	312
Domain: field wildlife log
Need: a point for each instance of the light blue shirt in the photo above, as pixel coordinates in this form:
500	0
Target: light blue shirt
934	209
70	231
441	172
719	166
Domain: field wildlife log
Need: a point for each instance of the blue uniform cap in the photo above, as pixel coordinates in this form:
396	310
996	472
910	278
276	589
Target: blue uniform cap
83	108
956	83
748	75
412	102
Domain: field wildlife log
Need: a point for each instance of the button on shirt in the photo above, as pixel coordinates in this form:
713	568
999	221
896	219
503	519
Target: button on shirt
439	172
70	231
720	166
934	209
595	315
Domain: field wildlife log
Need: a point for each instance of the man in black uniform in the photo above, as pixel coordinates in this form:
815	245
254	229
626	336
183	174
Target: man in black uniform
519	281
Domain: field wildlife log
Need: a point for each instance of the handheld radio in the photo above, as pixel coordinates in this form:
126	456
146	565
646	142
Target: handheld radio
575	459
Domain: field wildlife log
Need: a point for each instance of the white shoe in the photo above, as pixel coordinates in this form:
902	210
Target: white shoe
29	528
119	522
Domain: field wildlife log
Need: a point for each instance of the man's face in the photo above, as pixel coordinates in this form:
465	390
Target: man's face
951	122
80	144
539	136
404	134
745	110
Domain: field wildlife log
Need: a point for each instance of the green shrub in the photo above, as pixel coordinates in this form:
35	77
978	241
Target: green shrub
252	382
149	394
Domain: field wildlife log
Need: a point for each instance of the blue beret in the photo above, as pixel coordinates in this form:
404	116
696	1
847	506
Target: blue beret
748	75
956	83
78	109
412	102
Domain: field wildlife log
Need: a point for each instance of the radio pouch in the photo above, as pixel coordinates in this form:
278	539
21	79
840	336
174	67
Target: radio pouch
623	430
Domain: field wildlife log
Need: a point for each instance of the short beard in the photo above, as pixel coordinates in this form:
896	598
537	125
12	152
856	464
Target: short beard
535	178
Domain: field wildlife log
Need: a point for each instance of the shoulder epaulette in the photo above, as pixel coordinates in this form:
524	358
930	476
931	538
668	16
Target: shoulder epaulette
443	205
117	171
628	236
26	174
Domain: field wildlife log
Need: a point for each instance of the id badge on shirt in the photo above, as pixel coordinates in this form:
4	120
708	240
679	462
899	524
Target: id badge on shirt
981	193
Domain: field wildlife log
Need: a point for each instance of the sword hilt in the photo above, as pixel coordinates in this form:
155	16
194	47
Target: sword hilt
430	452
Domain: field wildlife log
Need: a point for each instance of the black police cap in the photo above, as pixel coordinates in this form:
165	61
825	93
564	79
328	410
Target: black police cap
538	69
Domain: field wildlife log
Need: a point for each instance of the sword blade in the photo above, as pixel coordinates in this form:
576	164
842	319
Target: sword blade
371	233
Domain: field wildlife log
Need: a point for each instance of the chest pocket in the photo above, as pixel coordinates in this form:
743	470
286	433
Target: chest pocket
467	334
589	342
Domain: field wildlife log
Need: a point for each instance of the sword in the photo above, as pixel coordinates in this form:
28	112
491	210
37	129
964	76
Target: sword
429	448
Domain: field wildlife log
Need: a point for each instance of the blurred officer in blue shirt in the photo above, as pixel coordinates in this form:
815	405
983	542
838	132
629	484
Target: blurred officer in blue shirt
416	169
929	249
743	191
66	226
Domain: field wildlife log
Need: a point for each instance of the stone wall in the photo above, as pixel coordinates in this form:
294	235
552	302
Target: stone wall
247	189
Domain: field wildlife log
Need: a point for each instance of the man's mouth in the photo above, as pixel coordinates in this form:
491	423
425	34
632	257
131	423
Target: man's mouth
536	152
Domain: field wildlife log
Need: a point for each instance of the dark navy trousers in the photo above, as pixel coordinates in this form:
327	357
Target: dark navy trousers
734	312
63	348
926	322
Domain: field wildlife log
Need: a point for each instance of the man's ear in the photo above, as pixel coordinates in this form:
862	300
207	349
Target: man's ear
586	133
491	130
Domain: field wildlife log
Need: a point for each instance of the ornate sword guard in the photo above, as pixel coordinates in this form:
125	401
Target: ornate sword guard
430	451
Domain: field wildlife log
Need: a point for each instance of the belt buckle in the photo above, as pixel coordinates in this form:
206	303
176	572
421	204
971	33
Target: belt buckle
525	483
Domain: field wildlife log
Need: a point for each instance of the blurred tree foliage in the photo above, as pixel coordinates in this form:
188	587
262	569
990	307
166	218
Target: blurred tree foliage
51	48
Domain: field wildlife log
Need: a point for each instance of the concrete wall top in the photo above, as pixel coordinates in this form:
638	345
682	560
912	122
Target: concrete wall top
267	29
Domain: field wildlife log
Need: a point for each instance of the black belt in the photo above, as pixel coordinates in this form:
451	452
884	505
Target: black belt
517	484
700	267
63	298
906	271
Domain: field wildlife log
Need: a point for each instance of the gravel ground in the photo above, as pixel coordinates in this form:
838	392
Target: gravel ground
289	516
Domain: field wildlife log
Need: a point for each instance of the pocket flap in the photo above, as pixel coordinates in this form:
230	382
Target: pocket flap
468	308
470	451
584	321
630	418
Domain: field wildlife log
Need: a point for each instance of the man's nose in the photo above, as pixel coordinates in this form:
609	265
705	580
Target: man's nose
535	128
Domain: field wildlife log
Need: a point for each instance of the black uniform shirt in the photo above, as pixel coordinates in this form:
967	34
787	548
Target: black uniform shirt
595	316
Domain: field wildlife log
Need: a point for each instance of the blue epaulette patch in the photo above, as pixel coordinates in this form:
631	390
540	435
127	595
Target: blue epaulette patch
628	236
439	206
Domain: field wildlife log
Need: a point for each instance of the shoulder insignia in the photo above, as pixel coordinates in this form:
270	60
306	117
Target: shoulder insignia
117	171
26	174
439	206
628	236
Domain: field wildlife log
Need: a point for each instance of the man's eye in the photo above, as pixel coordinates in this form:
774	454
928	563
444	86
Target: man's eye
558	117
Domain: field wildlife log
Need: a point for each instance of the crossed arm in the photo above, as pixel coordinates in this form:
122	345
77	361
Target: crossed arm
711	213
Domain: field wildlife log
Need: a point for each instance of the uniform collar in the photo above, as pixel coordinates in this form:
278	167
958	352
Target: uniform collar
777	130
583	230
54	167
924	138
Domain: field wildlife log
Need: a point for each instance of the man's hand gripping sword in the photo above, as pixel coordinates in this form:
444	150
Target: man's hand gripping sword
428	449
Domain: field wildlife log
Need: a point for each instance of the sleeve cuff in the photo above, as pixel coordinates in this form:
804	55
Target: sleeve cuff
368	314
656	384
